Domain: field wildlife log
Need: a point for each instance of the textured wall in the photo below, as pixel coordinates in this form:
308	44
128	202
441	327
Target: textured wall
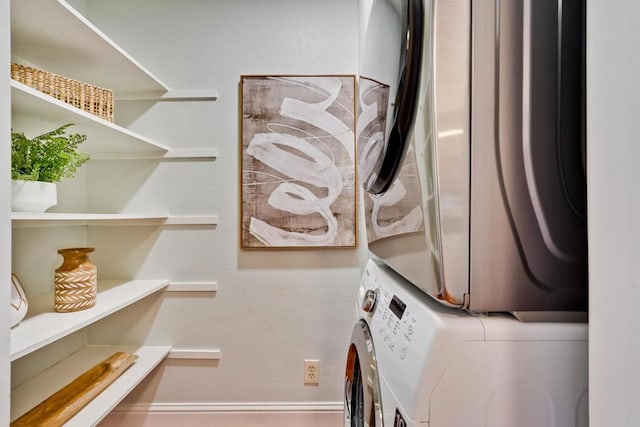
614	201
273	308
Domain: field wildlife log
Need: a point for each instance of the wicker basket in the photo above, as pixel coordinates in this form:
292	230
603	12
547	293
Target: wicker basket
92	99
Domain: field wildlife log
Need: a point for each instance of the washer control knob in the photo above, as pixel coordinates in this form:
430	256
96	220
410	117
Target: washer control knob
369	300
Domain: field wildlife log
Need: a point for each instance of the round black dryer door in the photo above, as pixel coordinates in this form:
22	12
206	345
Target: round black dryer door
362	404
390	66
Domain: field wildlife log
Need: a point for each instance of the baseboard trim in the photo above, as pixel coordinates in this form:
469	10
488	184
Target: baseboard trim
230	408
242	414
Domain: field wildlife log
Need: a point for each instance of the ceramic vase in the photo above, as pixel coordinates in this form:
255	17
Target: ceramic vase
33	196
19	304
76	281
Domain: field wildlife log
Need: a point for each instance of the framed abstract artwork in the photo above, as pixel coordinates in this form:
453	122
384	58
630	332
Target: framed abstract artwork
298	175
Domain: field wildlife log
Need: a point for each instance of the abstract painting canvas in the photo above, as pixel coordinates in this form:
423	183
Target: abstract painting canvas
298	161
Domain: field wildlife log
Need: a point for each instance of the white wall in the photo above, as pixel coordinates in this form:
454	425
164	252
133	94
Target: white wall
5	224
274	308
613	85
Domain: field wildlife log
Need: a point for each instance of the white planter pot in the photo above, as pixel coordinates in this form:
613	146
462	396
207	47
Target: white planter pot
19	304
32	196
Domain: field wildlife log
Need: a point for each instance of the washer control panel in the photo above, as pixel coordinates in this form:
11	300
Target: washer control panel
402	322
395	323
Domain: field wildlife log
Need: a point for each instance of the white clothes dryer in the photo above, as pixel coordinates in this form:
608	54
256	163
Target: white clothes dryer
414	362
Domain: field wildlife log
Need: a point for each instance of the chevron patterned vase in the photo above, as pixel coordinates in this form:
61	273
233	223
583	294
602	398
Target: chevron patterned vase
76	281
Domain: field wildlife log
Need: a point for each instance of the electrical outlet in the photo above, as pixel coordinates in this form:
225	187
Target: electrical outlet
311	371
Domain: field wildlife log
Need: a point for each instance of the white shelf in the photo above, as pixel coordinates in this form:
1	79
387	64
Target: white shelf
43	325
46	219
53	36
192	220
172	95
192	287
29	219
183	154
102	135
195	353
34	391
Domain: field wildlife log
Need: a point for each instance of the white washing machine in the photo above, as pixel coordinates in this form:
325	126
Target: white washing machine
415	362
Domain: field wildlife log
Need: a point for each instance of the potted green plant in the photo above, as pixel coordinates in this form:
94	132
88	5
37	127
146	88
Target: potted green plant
38	163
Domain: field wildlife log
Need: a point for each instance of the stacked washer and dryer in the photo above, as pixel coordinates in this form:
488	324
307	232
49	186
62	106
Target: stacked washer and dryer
472	308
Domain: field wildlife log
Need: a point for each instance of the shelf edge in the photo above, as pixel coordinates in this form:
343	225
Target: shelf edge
171	95
192	287
192	220
195	353
195	154
23	220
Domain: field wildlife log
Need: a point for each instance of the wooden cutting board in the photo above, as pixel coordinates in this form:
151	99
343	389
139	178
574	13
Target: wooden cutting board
66	402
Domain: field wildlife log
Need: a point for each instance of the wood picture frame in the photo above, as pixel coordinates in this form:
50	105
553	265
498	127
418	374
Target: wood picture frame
298	175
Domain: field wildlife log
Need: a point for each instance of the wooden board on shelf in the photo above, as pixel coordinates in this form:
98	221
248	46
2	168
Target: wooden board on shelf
34	391
43	326
62	405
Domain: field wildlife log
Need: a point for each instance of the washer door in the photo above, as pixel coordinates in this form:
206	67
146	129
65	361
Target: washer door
362	404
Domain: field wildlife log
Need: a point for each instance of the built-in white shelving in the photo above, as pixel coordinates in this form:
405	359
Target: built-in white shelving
43	325
46	219
34	391
102	135
53	36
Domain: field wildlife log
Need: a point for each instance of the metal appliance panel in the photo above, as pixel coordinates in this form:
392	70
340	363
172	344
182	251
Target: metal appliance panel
528	229
420	226
487	208
450	151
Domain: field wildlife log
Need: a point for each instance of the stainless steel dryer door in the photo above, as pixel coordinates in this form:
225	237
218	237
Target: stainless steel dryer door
419	224
362	403
390	66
